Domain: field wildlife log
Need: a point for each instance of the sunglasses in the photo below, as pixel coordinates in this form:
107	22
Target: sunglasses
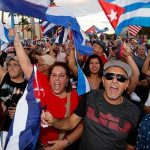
110	76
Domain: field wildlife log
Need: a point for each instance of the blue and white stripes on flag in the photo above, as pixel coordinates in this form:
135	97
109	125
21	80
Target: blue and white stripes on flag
63	35
3	45
69	22
83	84
136	13
24	130
47	27
4	33
61	15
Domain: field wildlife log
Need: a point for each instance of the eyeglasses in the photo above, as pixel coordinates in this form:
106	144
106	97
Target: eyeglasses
13	66
110	76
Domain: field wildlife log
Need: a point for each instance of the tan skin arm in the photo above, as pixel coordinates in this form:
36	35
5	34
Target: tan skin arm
130	147
2	73
71	138
62	124
146	109
71	62
146	67
24	60
135	75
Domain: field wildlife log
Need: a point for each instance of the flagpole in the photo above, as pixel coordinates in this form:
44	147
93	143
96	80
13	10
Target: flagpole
12	20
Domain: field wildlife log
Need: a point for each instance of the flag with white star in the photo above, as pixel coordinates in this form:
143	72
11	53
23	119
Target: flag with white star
122	13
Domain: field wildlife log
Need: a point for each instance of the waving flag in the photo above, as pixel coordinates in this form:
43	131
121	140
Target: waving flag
3	46
47	27
133	30
4	33
62	15
92	30
122	13
63	35
24	130
83	84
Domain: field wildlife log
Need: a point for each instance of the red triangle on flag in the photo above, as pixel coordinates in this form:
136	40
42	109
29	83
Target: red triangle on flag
91	30
112	11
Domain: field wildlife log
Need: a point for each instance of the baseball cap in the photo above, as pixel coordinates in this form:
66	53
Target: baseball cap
9	58
118	63
101	44
46	59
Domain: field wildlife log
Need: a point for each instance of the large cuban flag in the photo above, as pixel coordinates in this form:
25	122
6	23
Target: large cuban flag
24	130
64	14
122	13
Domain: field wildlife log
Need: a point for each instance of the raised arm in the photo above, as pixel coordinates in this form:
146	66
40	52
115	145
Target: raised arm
24	60
146	68
72	64
135	75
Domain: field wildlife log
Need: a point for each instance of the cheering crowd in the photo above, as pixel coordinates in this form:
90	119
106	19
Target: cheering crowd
113	115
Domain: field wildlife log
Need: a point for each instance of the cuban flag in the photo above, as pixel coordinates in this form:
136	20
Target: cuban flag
47	27
24	130
62	15
63	36
4	33
83	84
3	45
122	13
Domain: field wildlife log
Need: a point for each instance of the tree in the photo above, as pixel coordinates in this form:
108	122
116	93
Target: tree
24	21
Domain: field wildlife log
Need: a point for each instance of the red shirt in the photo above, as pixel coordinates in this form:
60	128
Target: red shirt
57	106
54	104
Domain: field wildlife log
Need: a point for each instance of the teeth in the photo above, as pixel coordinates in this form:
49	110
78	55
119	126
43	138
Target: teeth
114	87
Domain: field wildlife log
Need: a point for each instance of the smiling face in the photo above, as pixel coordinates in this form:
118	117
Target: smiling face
94	66
114	88
58	80
14	69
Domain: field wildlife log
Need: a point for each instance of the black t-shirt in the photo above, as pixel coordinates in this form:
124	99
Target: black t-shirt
2	58
10	93
107	126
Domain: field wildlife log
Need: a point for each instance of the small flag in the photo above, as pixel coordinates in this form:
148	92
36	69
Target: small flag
3	46
133	30
47	27
92	30
4	33
63	35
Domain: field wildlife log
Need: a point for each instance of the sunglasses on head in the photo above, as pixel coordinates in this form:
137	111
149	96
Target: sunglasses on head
119	77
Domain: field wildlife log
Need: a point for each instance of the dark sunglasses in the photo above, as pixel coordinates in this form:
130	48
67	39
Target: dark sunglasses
119	77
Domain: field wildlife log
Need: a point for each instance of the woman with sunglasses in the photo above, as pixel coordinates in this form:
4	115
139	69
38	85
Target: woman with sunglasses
56	96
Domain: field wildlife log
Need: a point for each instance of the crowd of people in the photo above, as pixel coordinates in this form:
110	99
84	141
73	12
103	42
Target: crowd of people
114	115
